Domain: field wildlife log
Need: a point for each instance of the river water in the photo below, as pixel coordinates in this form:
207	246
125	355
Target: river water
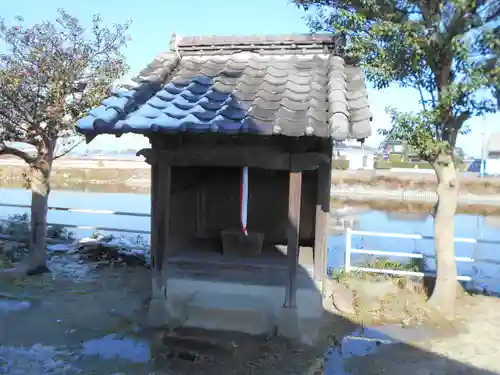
485	270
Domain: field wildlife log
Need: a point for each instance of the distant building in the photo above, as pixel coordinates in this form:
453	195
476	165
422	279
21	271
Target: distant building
407	153
392	146
397	147
360	157
475	166
493	146
493	155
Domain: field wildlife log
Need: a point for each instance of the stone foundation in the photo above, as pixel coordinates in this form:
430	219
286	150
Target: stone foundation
241	307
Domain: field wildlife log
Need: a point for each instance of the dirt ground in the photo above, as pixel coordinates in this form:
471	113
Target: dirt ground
472	350
415	339
80	320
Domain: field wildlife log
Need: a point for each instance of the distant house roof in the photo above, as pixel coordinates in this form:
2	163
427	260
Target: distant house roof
344	147
392	142
291	85
494	143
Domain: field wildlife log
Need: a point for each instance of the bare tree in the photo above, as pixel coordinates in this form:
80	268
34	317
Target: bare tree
51	75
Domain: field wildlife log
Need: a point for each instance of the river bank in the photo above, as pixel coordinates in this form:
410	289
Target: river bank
470	183
105	178
364	193
134	175
137	174
394	199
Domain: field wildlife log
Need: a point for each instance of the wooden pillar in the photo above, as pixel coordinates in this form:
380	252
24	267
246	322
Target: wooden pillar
324	177
293	230
160	225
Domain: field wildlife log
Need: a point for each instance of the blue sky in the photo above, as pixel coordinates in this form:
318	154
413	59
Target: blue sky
154	21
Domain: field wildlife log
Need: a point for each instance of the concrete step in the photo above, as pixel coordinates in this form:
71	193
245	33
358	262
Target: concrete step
231	312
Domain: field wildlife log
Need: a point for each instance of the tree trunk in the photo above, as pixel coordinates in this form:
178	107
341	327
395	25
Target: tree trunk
444	294
40	190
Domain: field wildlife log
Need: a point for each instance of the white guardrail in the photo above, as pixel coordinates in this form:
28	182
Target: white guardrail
348	242
349	250
87	211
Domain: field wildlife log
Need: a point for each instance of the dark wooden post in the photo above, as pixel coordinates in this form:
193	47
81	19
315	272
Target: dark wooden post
324	181
293	230
160	223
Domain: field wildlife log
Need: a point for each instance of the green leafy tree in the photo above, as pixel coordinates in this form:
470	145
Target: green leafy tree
448	51
51	74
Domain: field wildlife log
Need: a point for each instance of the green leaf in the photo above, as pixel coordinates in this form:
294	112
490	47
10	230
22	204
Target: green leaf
447	50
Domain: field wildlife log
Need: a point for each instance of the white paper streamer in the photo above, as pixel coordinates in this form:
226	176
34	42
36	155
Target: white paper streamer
244	199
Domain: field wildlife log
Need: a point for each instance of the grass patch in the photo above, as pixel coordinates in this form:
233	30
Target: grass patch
383	263
5	262
403	301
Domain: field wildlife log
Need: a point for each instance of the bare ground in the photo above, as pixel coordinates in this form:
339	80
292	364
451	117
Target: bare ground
412	338
469	349
85	321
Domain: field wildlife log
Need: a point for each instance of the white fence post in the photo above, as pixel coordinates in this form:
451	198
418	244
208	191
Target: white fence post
349	250
347	260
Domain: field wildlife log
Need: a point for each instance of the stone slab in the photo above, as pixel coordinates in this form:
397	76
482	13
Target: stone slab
229	306
231	312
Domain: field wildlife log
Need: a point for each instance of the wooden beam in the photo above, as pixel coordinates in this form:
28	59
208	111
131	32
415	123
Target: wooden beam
149	155
307	161
293	230
160	224
234	156
324	176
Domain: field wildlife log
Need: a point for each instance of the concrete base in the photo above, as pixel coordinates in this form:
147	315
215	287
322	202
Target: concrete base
240	307
158	313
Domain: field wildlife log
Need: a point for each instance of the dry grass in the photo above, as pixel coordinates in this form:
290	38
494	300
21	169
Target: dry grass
413	181
107	180
405	305
406	207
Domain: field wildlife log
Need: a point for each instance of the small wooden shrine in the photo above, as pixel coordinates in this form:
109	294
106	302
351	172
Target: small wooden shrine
241	132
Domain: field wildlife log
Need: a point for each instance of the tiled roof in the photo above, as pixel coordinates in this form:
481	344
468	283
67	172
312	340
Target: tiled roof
292	85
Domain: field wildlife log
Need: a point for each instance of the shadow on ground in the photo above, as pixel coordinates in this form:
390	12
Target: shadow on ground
64	324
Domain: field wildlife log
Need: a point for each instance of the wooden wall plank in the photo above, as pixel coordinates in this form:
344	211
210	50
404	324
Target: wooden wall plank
324	174
294	200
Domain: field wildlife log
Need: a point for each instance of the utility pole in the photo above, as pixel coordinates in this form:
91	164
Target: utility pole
483	156
483	148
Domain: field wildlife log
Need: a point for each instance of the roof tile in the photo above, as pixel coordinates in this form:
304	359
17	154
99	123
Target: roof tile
294	94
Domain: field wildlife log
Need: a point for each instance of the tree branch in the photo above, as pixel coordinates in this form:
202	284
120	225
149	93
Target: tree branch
68	150
22	111
6	150
460	120
422	99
